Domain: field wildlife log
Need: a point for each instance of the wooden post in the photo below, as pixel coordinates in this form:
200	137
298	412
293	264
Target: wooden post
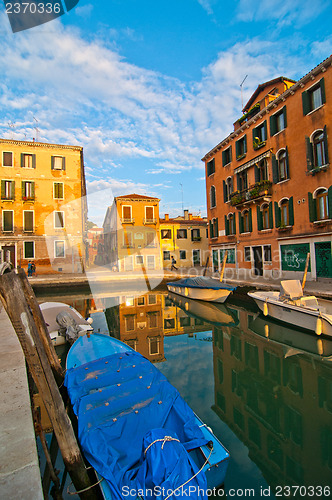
223	266
305	270
17	307
206	265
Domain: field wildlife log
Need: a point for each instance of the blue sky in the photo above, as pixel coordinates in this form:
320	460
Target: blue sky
148	87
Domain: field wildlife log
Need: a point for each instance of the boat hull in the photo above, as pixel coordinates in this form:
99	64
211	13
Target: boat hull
309	319
206	294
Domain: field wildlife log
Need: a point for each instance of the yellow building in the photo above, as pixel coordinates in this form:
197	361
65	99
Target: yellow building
131	233
185	238
43	205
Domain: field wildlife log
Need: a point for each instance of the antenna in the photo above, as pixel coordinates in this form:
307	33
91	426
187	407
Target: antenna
11	126
182	194
36	129
241	84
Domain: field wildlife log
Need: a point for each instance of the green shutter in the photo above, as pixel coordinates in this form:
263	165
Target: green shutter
326	146
257	179
13	190
250	220
245	143
237	149
270	215
211	229
265	129
23	189
253	136
305	102
310	156
259	219
238	182
22	160
277	214
226	226
275	173
240	223
224	190
33	190
291	211
223	156
312	208
322	90
230	153
329	202
234	223
33	161
52	162
285	116
217	230
63	163
287	164
273	125
3	190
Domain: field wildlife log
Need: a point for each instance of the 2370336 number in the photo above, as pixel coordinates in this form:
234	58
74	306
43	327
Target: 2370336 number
303	491
33	8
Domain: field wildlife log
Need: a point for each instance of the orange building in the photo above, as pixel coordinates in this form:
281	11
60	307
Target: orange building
96	246
269	183
43	205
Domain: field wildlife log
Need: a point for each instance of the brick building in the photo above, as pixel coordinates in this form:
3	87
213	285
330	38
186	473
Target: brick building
269	183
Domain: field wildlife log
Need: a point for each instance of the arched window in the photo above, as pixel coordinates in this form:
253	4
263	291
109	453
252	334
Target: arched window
212	197
322	209
318	145
284	212
229	187
245	219
282	165
265	216
262	170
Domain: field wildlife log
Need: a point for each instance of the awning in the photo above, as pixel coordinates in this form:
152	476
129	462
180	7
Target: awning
252	162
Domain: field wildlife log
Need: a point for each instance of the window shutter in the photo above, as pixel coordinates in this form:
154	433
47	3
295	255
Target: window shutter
234	223
329	202
312	208
322	90
265	129
238	182
287	164
3	190
224	190
13	190
245	143
230	153
277	214
211	229
33	190
270	215
275	174
273	125
257	179
285	116
326	145
237	149
310	158
33	161
254	133
22	188
305	102
250	220
226	226
223	156
63	163
232	185
52	162
291	211
216	228
240	223
259	219
22	160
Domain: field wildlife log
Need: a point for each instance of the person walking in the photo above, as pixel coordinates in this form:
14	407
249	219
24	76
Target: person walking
173	264
30	268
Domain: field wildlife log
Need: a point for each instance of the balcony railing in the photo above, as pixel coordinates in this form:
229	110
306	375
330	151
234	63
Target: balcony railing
254	193
127	221
196	238
149	221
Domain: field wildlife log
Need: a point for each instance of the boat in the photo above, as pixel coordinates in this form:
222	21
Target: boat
135	429
213	313
63	322
201	288
291	306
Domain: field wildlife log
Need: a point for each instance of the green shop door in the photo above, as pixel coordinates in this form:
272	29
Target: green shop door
323	259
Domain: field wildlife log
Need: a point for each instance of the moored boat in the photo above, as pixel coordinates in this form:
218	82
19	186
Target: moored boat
201	288
291	306
135	429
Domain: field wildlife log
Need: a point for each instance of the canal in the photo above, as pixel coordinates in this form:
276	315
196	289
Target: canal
264	389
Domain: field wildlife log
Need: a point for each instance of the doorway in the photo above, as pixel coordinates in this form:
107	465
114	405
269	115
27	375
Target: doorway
8	254
196	257
323	259
258	261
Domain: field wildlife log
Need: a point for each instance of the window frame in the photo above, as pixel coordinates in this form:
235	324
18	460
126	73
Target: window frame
3	161
241	147
55	219
56	252
308	103
168	232
25	230
210	167
63	162
227	156
12	221
213	197
33	160
25	256
54	191
180	231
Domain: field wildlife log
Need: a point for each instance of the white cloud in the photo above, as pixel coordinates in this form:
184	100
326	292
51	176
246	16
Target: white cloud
84	10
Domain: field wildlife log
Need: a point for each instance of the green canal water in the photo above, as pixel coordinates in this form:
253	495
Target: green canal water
264	389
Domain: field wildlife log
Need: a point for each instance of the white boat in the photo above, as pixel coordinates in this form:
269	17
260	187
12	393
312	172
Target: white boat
292	307
64	322
201	288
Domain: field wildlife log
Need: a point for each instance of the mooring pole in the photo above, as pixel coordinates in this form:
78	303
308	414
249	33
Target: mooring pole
17	307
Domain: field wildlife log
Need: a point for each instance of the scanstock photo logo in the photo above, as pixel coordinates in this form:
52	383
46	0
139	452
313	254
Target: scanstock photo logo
25	14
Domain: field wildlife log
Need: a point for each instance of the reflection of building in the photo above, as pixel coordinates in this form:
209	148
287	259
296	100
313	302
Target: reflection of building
43	205
177	322
269	183
96	245
184	237
131	233
277	402
137	321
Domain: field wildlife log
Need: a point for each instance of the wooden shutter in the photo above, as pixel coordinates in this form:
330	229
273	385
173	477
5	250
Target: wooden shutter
226	226
291	211
322	90
270	215
277	215
257	178
234	224
22	160
275	172
223	155
273	125
63	163
250	220
33	161
285	116
312	208
310	156
224	190
259	219
287	164
240	223
245	144
265	129
33	190
305	102
329	202
326	145
3	190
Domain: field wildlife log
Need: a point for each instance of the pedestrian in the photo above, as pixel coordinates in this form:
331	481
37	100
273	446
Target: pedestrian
33	269
30	268
173	264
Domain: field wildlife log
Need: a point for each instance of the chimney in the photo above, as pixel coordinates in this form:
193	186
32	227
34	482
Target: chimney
190	216
166	217
186	214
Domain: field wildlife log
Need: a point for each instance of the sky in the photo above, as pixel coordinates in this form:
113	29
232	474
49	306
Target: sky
149	87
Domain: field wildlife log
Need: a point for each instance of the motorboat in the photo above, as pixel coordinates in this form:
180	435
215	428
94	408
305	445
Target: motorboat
201	288
64	323
135	429
291	306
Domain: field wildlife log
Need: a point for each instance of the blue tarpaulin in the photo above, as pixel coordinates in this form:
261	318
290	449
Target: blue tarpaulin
123	404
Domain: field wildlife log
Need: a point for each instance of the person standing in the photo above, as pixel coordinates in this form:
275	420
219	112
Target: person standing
173	264
29	268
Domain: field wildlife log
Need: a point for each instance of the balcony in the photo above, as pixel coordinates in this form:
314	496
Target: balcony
147	222
257	192
196	238
127	221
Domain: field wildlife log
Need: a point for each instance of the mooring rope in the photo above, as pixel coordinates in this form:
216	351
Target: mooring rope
163	440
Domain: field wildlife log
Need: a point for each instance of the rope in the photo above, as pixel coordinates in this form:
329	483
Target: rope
163	440
85	489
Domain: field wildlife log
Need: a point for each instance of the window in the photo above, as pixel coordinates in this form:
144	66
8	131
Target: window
58	190
241	147
153	319
214	233
242	180
230	255
166	255
185	321
149	214
169	323
212	197
314	97
130	323
228	188
150	239
59	249
320	204
284	213
28	160
265	217
28	217
267	253
28	250
280	169
28	190
278	121
247	254
58	163
154	345
226	156
7	159
141	301
139	260
183	254
126	213
59	220
166	234
181	234
210	167
128	239
7	190
150	262
152	299
245	221
129	263
318	150
261	171
195	235
259	135
230	224
8	221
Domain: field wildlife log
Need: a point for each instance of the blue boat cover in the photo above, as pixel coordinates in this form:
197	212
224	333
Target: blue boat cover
202	282
125	408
